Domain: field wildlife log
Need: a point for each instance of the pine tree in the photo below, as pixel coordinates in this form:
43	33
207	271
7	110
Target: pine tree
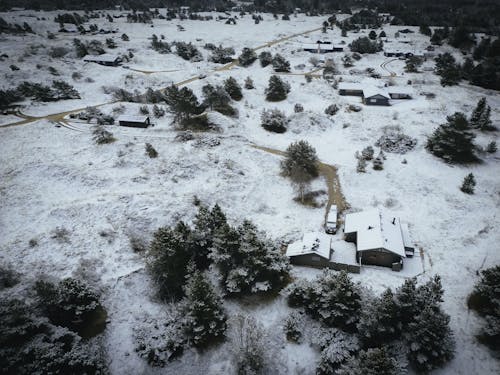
453	141
274	120
477	114
204	316
336	348
492	147
406	300
233	89
215	97
372	35
277	89
468	184
265	58
447	68
361	167
371	362
300	158
291	327
280	64
247	57
379	323
221	55
429	339
168	258
485	120
249	84
378	163
206	223
182	103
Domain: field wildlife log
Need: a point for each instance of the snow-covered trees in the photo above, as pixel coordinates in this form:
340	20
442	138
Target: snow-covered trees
332	298
453	141
188	51
280	64
265	58
371	362
291	327
101	136
468	184
481	116
448	69
247	57
485	299
248	263
222	55
365	45
159	46
150	151
70	304
206	224
182	103
274	120
248	345
378	162
217	98
491	147
332	109
233	88
337	348
169	255
204	318
277	89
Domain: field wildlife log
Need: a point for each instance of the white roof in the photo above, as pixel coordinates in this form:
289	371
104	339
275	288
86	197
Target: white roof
312	243
332	214
350	86
376	230
133	118
406	235
105	58
321	46
371	91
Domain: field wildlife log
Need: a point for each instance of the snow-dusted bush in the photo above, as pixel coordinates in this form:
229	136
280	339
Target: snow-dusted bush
491	148
292	327
101	136
265	58
249	85
58	52
277	89
204	319
378	163
367	153
247	57
468	184
105	120
159	46
371	362
69	303
274	120
298	108
396	142
248	345
331	109
361	166
222	55
158	111
150	151
188	51
233	88
280	64
336	347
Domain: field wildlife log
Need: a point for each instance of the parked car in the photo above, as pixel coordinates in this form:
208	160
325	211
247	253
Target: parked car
331	220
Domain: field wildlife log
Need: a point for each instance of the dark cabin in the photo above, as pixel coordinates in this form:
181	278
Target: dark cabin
134	121
350	90
375	97
106	60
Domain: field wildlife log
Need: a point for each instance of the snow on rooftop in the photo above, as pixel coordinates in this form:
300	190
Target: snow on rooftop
105	57
376	230
311	243
372	91
128	118
350	86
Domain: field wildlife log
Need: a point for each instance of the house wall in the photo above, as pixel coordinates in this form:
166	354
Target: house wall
351	92
310	260
377	257
134	124
376	101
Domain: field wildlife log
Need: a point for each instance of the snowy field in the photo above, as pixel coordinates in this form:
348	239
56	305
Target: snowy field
55	177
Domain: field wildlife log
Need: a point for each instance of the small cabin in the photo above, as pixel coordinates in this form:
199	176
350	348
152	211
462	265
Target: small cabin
134	121
350	89
313	251
397	94
105	59
375	97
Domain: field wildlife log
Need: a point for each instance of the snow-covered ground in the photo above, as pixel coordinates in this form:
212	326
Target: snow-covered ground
53	177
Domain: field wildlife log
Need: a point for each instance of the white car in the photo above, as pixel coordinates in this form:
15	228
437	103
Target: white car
331	220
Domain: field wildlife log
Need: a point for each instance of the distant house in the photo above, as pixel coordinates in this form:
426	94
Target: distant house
322	47
375	96
69	28
134	121
105	59
380	238
397	93
350	89
317	250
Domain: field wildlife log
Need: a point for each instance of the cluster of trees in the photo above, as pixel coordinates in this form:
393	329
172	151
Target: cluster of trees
7	28
277	89
188	51
159	45
485	300
366	155
93	47
73	18
59	90
279	63
49	335
454	140
366	45
410	319
222	55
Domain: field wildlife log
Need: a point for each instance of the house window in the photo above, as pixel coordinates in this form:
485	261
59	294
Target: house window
315	258
373	100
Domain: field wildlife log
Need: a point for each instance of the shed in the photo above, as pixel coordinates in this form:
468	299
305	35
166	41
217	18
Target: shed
396	93
105	59
378	237
134	121
318	47
314	250
350	89
375	96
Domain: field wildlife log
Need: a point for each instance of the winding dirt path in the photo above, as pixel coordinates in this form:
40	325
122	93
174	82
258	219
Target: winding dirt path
329	172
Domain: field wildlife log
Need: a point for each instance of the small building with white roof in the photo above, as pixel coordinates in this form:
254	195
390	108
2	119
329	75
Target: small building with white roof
380	238
134	121
104	59
375	96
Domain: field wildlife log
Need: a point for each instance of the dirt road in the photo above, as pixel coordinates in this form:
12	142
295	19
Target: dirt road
329	172
384	66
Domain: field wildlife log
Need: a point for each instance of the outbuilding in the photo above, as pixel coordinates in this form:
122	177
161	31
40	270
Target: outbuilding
350	89
105	59
374	96
134	121
380	238
314	250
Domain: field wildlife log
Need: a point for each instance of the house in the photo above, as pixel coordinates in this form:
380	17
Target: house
350	89
105	59
380	238
318	250
134	121
397	93
375	96
322	47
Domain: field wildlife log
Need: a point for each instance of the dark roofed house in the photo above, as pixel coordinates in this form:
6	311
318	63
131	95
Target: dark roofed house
350	89
374	96
134	121
105	59
380	238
